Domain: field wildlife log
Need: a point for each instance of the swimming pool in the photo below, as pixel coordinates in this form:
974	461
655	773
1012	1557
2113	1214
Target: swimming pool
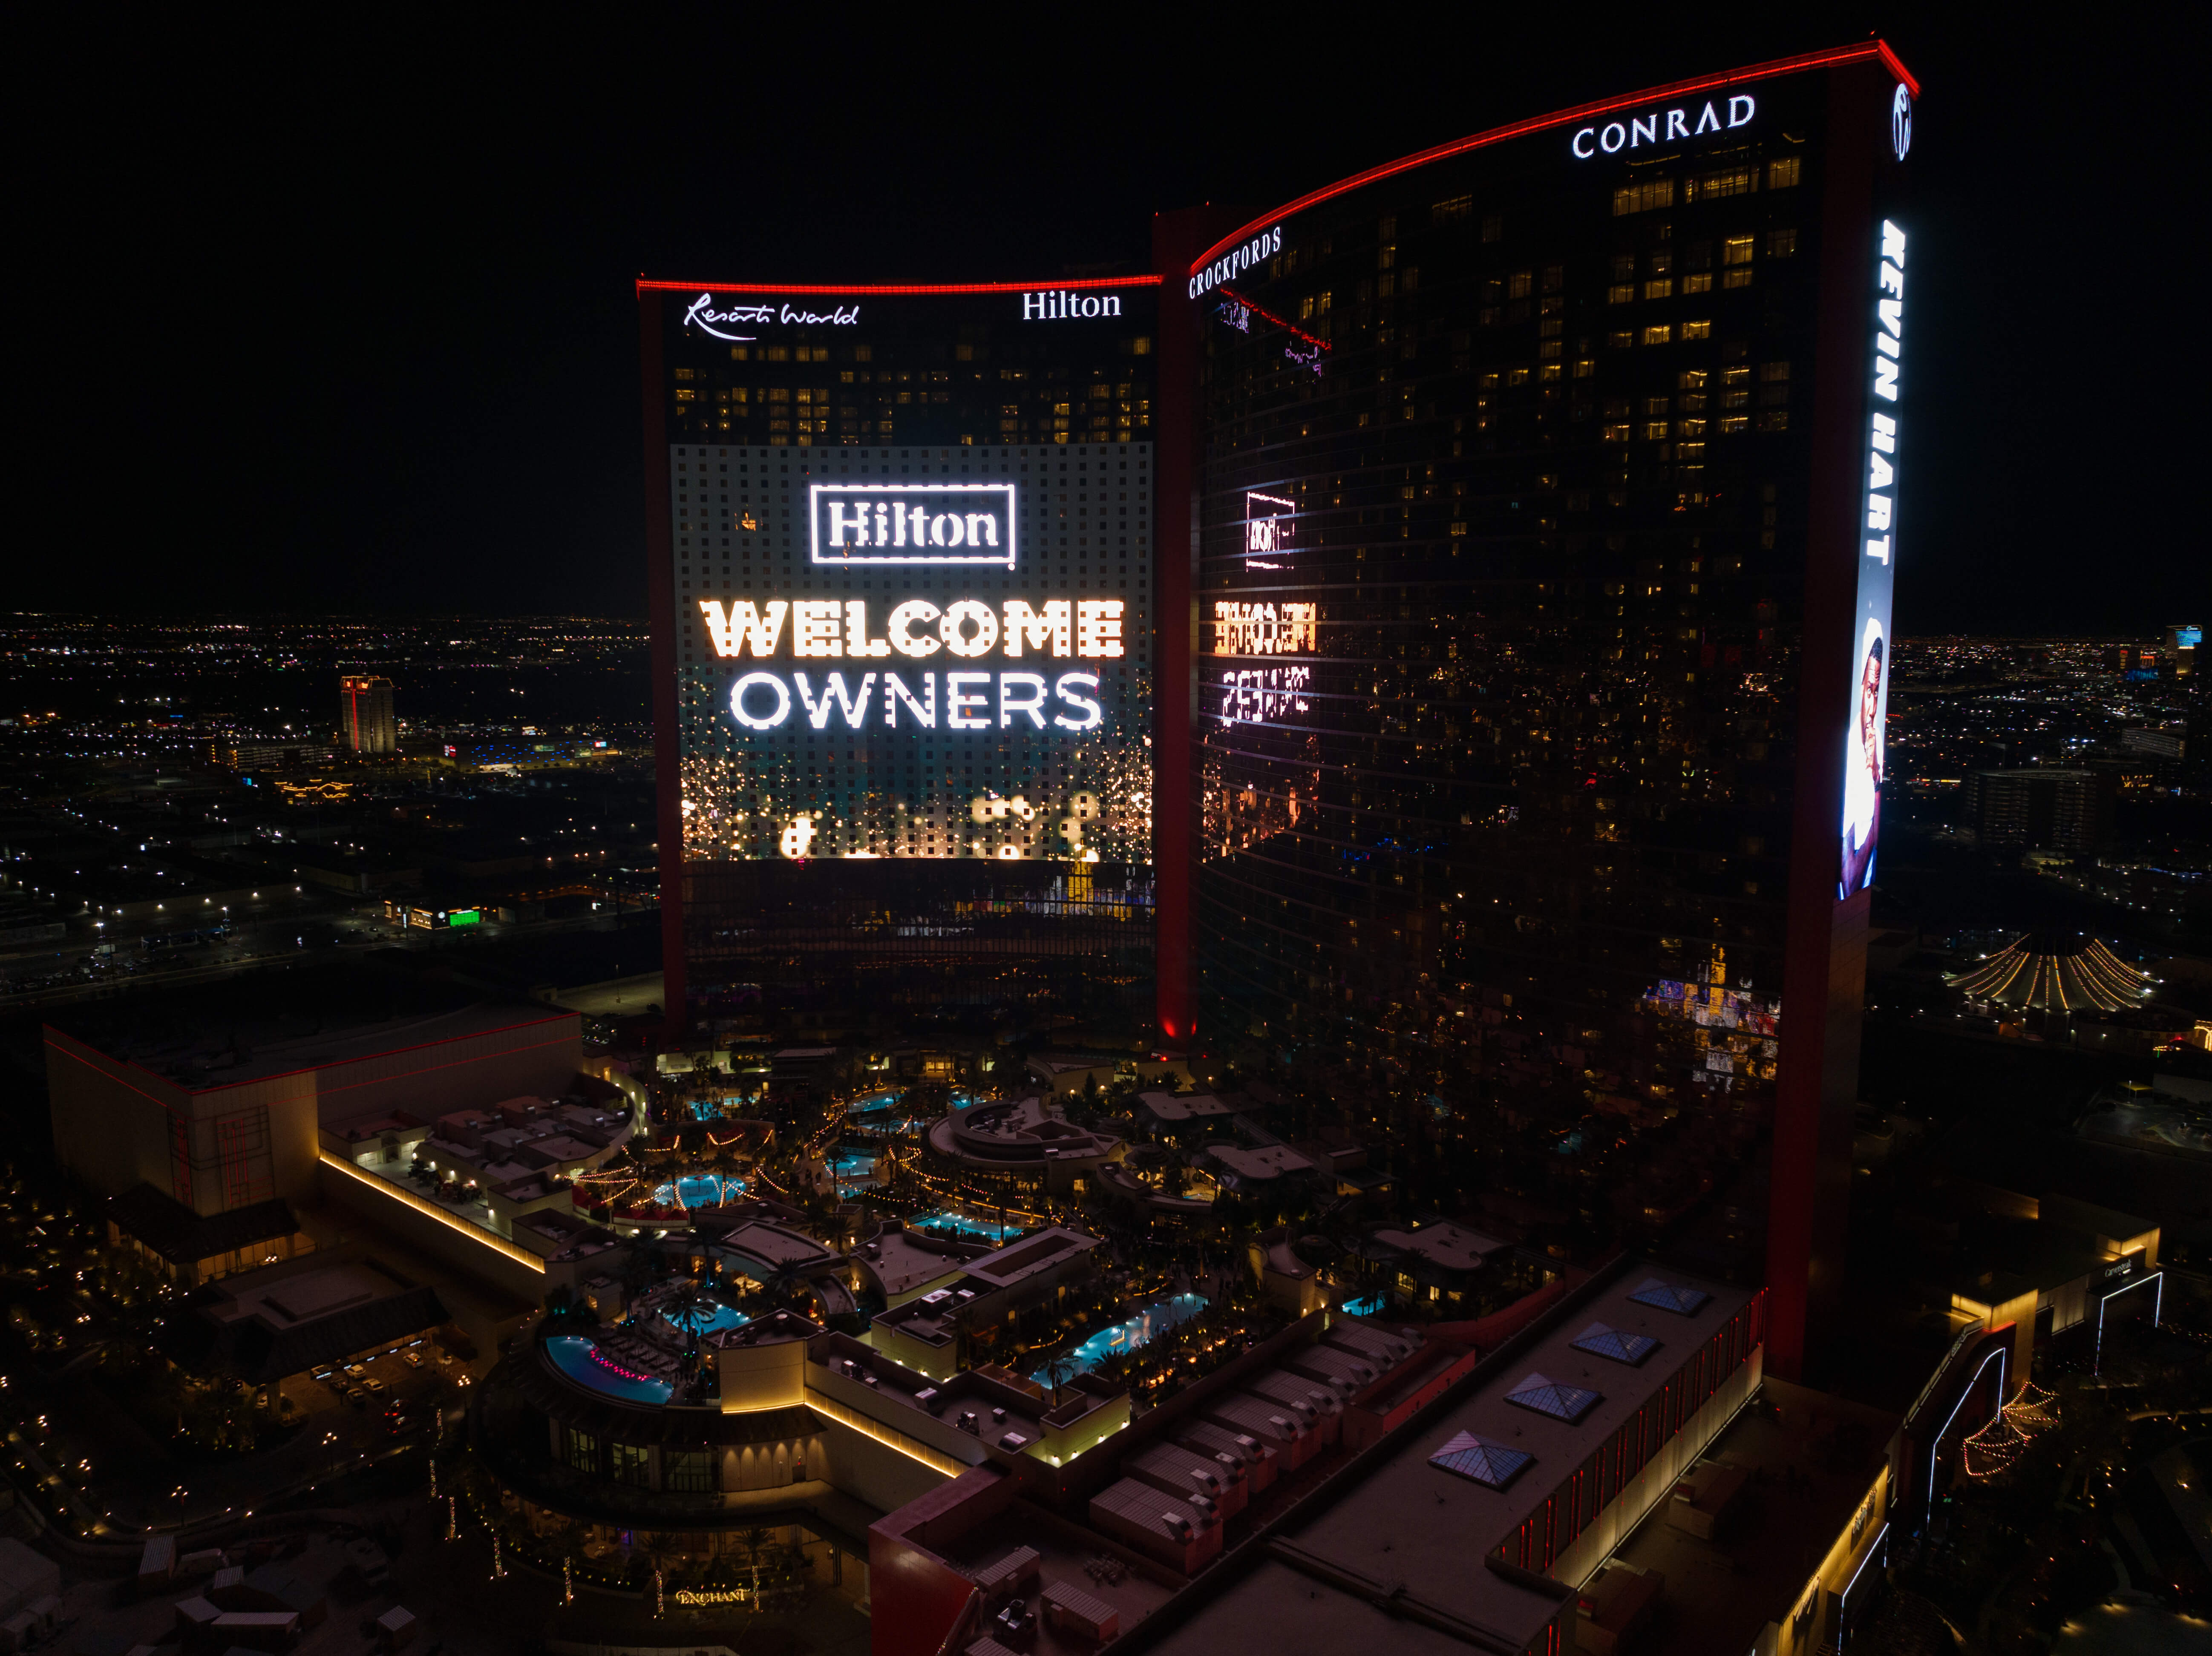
1154	1320
1369	1307
705	1190
580	1359
988	1229
706	1316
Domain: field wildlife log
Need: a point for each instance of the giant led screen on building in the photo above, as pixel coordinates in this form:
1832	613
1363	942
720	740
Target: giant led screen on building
918	669
909	581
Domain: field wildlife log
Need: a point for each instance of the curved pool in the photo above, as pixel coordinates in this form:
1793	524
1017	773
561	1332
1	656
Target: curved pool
706	1316
988	1230
1149	1324
706	1190
580	1359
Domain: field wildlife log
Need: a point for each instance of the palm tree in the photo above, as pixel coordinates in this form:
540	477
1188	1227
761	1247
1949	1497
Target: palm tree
1059	1370
758	1541
785	1282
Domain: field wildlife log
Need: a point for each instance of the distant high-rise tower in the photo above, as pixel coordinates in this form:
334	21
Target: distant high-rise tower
2183	641
368	709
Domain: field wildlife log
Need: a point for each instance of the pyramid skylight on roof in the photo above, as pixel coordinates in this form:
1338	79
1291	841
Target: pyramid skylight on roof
1487	1462
1682	1301
1603	1341
1560	1402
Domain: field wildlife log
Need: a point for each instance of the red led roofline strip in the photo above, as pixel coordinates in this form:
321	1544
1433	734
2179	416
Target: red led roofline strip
1874	49
1265	315
645	287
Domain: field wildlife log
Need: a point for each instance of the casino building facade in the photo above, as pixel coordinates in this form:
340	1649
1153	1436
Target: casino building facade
1503	536
1546	516
902	576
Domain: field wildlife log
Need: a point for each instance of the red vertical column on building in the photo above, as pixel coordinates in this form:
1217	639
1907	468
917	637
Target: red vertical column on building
1824	959
660	596
1176	240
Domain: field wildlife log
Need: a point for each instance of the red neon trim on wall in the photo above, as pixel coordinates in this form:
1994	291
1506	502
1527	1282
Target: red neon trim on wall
109	1075
645	287
1265	315
1877	49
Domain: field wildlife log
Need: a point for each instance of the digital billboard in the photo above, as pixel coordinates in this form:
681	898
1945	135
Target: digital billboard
948	657
1865	742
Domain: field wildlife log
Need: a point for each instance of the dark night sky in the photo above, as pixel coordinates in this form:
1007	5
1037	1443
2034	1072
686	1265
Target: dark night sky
345	323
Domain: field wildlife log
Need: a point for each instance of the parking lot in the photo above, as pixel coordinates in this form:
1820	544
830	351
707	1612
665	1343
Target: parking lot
395	1388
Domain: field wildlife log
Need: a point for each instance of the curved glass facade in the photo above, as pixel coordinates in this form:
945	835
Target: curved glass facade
1510	488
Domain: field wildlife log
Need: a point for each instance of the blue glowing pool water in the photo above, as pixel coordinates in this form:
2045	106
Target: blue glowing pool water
1369	1307
873	1104
987	1228
1149	1324
580	1359
700	1191
708	1316
854	1164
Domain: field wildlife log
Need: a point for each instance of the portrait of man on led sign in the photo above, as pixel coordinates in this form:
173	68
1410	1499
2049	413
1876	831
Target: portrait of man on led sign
1862	778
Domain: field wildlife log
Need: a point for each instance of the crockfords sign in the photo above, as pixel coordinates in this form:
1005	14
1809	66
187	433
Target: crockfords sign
1238	259
913	523
1659	126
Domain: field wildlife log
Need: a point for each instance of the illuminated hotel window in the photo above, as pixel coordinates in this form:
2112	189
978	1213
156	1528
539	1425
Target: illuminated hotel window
1662	289
1781	174
1642	198
1658	335
1697	329
1736	250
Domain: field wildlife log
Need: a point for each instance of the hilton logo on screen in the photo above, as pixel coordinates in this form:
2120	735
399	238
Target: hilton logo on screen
913	523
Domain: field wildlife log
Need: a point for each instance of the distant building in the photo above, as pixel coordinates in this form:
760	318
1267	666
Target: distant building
2041	809
367	706
2183	639
270	755
2156	743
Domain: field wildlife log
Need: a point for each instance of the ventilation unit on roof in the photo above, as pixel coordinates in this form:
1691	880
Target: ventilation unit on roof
1545	1396
1492	1464
1682	1301
1603	1342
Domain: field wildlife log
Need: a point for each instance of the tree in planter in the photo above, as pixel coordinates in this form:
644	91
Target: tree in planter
758	1541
